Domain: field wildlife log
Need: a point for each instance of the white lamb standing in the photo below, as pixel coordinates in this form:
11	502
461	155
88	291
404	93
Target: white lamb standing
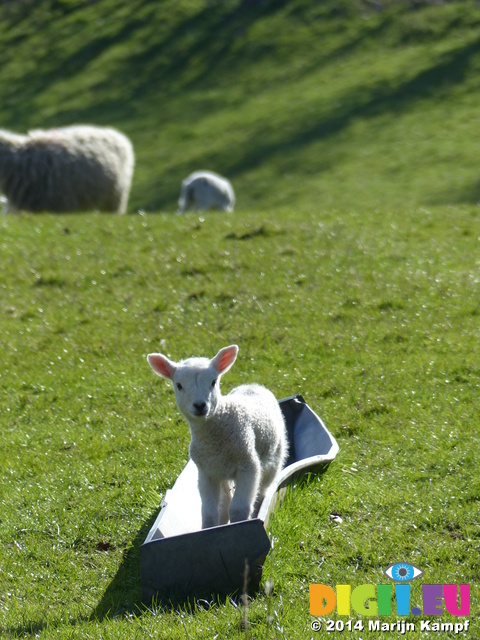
238	439
206	190
77	168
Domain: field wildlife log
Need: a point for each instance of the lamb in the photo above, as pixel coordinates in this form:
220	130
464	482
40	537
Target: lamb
77	168
238	438
206	190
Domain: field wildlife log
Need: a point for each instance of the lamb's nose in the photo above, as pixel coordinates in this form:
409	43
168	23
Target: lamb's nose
200	408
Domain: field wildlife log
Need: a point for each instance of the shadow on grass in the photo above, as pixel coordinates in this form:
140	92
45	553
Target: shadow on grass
469	195
433	82
122	597
208	38
272	146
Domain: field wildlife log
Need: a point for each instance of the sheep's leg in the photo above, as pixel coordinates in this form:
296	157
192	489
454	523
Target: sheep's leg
258	501
7	206
261	494
225	499
268	476
210	494
246	487
183	200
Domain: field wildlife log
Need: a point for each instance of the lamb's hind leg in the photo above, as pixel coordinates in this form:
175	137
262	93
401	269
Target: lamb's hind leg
268	477
246	488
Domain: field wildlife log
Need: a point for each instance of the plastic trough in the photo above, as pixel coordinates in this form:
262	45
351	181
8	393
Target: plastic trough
179	558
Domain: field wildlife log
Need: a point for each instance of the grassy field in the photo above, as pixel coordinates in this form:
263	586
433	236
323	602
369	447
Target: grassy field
349	273
372	320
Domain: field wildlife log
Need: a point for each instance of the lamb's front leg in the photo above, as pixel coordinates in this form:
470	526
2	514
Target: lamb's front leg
209	490
247	481
225	499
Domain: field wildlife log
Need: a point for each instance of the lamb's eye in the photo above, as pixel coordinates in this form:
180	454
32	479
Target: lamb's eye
214	383
179	386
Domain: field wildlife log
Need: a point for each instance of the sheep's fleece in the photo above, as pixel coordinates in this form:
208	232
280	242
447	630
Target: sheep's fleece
77	168
204	190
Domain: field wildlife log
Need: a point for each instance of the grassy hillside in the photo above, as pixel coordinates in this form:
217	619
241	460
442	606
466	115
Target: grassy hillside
349	273
305	104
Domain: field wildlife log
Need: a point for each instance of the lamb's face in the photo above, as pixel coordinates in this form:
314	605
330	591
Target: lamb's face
196	385
195	381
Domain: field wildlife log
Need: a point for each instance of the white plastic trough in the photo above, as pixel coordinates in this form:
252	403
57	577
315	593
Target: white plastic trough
179	558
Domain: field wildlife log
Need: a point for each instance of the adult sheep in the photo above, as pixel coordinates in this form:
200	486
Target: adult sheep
77	168
206	190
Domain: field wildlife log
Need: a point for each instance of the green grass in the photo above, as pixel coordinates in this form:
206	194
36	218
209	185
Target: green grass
376	335
301	104
349	273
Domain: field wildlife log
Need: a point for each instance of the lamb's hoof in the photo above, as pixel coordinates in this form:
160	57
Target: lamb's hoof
239	515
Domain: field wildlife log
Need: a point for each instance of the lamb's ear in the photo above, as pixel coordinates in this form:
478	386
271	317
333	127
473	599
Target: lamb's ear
225	358
162	365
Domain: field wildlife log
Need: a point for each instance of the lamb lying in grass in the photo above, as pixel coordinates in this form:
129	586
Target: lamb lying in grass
204	190
238	439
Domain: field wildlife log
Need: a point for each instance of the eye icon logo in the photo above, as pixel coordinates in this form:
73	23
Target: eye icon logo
402	572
